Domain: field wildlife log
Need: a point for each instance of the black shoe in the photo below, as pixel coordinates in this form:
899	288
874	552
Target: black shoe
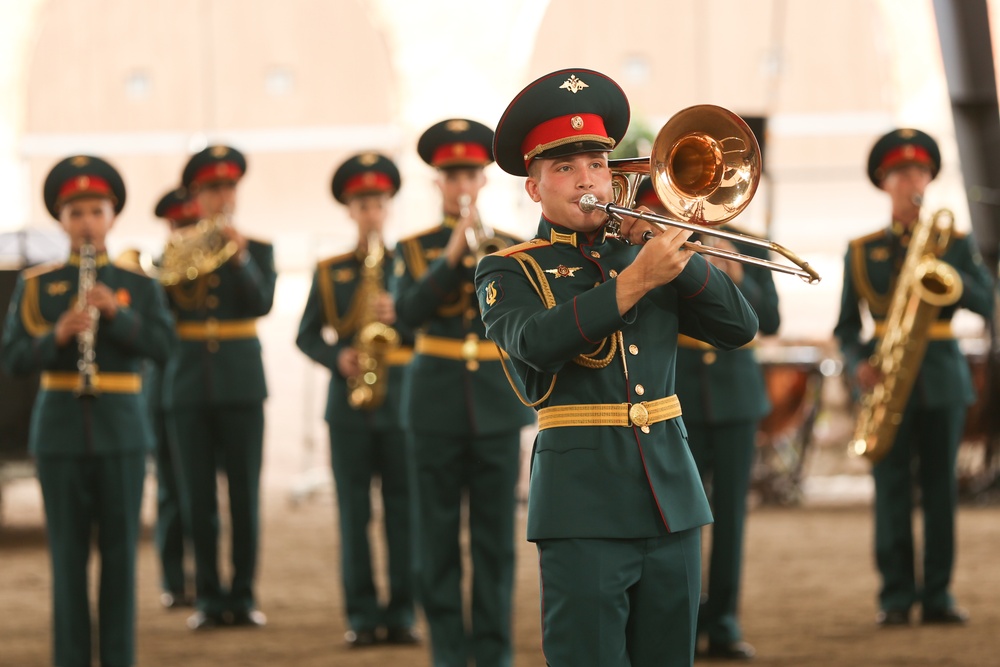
892	617
360	639
174	600
401	635
946	616
249	618
738	650
203	621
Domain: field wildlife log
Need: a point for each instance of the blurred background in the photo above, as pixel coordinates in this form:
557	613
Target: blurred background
300	85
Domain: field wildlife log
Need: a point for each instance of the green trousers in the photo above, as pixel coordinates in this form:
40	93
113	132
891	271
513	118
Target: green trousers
359	458
232	435
620	602
170	533
725	455
86	496
929	439
484	471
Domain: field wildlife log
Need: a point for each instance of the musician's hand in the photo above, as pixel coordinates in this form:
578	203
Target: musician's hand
731	267
347	362
867	376
661	260
634	229
231	234
458	243
71	323
385	309
102	298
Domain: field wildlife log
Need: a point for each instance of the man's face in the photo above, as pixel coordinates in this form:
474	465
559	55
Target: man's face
369	211
215	198
87	219
905	183
558	183
454	183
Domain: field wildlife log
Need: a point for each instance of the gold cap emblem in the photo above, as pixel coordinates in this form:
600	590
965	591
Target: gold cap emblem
907	133
80	161
573	84
82	182
576	122
368	159
219	151
457	125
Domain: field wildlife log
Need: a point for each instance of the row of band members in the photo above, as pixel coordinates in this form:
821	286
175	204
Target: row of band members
591	324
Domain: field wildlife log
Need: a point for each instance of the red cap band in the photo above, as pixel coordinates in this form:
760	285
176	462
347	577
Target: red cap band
564	130
905	154
80	186
186	211
369	181
218	171
460	153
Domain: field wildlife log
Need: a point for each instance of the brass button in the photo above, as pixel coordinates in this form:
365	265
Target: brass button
468	261
214	280
595	254
469	288
613	273
212	345
644	429
597	284
639	389
633	349
472	313
709	358
212	301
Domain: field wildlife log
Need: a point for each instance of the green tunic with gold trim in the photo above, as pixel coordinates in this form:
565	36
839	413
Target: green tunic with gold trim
932	423
364	443
90	452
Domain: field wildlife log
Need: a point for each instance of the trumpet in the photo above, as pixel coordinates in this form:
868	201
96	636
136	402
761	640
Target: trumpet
705	167
481	238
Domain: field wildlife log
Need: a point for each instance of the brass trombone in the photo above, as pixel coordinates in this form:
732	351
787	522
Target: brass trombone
705	167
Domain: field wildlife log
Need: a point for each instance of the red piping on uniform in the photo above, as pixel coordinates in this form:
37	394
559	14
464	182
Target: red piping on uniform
578	327
708	272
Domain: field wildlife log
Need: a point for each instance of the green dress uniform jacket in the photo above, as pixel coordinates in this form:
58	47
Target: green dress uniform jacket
364	443
90	452
724	398
464	428
214	390
932	423
605	481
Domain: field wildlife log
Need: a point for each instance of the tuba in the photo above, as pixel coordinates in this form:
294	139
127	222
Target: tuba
373	340
193	251
925	284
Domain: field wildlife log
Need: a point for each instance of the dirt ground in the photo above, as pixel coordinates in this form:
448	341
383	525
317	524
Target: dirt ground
809	597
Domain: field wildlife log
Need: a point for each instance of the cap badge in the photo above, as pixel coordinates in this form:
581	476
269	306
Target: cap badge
573	84
576	122
369	178
458	150
82	182
221	169
563	271
219	151
368	159
907	133
80	161
909	151
457	125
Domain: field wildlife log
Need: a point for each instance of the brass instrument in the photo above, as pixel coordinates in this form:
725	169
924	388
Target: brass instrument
193	251
705	167
86	364
481	238
374	339
925	284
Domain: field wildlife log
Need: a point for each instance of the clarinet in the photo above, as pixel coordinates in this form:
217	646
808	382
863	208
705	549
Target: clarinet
86	364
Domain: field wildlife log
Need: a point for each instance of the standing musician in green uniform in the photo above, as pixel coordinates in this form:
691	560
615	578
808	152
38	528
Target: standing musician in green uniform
903	163
179	210
590	324
464	423
90	429
214	393
722	431
349	297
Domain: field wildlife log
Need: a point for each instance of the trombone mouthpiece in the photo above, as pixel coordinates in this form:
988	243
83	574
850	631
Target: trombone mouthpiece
588	203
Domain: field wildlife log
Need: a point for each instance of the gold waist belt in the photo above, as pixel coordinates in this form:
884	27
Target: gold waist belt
695	344
212	329
940	330
610	414
399	356
109	383
472	348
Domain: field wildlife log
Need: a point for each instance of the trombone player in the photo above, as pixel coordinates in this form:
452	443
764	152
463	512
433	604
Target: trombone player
903	163
349	297
214	390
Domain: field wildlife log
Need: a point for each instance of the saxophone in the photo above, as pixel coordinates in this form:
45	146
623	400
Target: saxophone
373	340
925	284
86	363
